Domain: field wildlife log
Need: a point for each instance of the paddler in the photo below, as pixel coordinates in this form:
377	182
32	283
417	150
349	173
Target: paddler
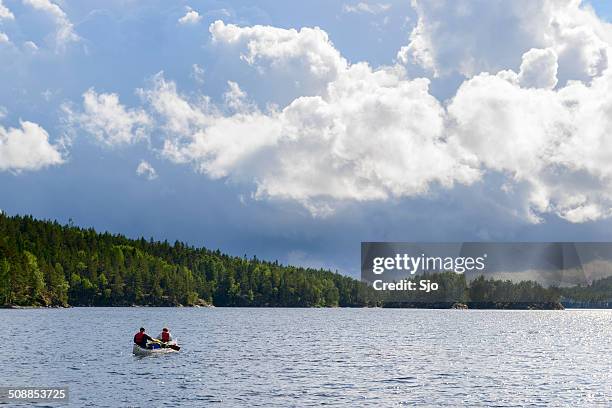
141	338
165	335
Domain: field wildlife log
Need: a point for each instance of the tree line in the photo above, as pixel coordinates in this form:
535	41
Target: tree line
490	293
596	294
455	288
43	263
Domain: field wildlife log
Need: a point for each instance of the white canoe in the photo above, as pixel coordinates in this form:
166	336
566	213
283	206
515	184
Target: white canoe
139	351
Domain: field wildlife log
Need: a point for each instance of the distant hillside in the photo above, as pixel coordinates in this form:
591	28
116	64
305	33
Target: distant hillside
44	263
597	294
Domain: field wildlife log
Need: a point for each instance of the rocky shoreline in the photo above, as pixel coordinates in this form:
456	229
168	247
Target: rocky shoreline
33	307
388	305
19	307
476	305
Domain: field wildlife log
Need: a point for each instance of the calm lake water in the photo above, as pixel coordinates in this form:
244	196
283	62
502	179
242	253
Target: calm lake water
307	357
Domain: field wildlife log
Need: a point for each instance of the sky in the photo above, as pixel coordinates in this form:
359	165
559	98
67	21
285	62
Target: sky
295	130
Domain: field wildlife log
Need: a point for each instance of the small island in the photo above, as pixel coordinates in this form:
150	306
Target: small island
46	264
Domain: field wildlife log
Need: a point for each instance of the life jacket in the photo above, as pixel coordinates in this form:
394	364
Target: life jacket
165	337
139	337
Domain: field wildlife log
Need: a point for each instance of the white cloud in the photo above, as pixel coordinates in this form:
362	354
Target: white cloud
476	36
236	99
181	116
363	7
197	73
27	148
4	38
30	46
146	170
375	135
197	132
539	69
109	121
5	13
190	17
65	29
307	54
555	142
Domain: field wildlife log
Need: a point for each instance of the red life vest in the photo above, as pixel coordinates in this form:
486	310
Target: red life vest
139	337
165	336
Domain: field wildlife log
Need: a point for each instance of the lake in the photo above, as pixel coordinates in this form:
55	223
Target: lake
308	357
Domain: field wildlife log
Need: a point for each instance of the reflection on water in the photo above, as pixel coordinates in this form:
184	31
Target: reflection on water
281	357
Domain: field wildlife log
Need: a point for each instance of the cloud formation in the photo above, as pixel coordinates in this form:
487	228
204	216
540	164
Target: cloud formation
539	69
65	29
308	54
364	133
197	73
27	148
555	141
197	131
470	37
374	134
110	122
5	13
145	169
190	17
364	7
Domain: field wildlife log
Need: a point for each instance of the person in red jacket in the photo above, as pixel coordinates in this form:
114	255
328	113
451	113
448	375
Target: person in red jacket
165	335
141	338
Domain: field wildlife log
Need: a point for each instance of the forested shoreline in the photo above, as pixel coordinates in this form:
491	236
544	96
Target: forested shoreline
44	263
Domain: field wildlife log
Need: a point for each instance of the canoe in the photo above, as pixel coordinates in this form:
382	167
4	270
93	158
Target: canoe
139	351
